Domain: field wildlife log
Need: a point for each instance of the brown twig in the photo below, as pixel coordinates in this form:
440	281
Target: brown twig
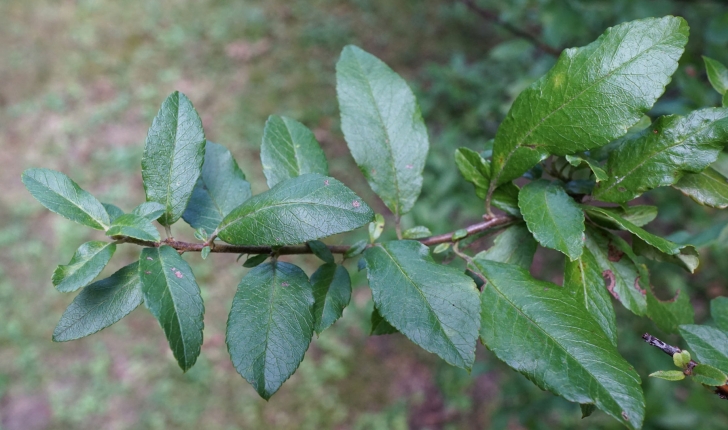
495	19
304	249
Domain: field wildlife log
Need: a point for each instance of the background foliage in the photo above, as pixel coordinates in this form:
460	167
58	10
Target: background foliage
80	83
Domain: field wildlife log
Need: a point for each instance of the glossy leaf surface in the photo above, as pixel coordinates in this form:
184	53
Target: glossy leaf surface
708	188
331	292
717	74
515	245
87	262
136	226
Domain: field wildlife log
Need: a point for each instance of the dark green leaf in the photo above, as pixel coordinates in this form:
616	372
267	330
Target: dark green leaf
540	330
476	170
719	312
270	325
624	279
135	226
255	260
708	344
434	306
173	156
668	375
289	149
417	232
688	257
587	409
101	304
583	278
637	215
86	264
591	96
717	74
361	264
61	195
659	156
296	210
668	315
599	173
320	250
331	292
380	326
113	211
221	188
173	297
708	188
553	217
383	127
709	375
515	245
149	210
357	248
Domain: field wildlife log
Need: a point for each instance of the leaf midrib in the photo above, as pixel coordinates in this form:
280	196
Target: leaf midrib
75	188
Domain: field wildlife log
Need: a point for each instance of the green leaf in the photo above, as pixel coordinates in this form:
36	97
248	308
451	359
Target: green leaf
87	262
296	210
708	344
583	279
587	409
540	330
135	226
553	217
173	156
59	194
435	306
717	74
417	232
289	149
101	304
650	245
476	170
725	100
668	375
380	326
638	215
383	127
681	359
591	96
171	294
357	248
659	156
719	312
624	279
270	325
255	260
439	249
201	234
515	245
149	210
376	228
599	173
709	188
221	188
113	211
205	252
321	251
331	292
709	375
668	315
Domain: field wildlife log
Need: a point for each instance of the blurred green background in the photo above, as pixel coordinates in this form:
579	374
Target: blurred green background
80	81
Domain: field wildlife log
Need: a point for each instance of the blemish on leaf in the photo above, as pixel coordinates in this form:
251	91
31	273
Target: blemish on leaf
637	285
613	253
409	166
284	284
147	272
150	259
655	131
326	182
624	415
178	274
609	281
356	204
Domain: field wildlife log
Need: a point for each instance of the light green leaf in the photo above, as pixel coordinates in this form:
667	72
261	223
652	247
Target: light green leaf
540	330
625	280
296	210
439	249
660	155
709	375
270	325
709	188
149	210
320	250
87	262
417	232
717	74
205	252
173	156
681	359
376	228
599	173
101	304
719	312
638	215
61	195
221	188
668	315
708	344
668	375
357	248
383	127
113	211
135	226
435	306
476	170
591	96
515	245
331	292
583	279
289	149
554	218
171	294
380	326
